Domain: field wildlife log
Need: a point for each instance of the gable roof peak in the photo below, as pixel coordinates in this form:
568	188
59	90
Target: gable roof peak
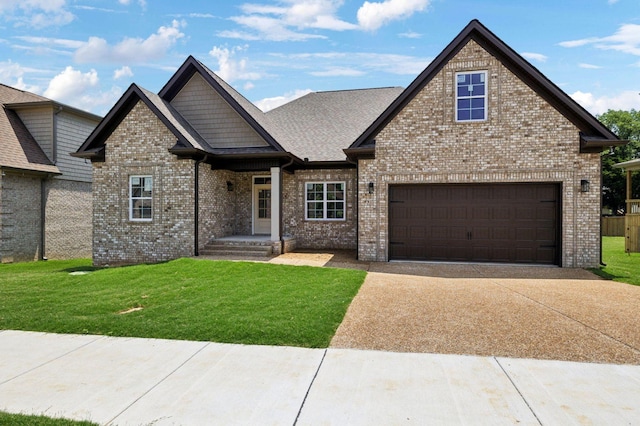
597	134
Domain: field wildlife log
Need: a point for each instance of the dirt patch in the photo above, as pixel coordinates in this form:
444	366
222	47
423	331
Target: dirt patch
128	311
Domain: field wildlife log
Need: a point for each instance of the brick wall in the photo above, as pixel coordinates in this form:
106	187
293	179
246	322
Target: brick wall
68	219
139	146
316	234
20	202
524	139
217	205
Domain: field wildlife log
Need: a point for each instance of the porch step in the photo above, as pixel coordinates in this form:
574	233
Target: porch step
237	248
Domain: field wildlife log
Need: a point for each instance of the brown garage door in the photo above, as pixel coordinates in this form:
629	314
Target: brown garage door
514	223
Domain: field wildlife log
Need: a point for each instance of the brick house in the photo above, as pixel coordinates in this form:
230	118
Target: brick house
481	158
45	194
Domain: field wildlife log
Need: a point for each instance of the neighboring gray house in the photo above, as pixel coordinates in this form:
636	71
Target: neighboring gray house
45	194
480	159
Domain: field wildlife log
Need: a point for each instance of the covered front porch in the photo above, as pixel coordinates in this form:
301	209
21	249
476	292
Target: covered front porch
632	215
240	211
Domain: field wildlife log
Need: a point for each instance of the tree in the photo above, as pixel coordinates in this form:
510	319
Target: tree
625	124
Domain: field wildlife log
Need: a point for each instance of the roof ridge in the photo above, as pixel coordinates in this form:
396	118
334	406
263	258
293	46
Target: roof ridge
356	90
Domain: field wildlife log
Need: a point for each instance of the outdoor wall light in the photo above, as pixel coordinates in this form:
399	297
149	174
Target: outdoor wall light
370	187
584	185
229	186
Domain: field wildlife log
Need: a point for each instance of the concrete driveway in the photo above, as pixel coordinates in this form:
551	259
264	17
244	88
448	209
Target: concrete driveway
489	310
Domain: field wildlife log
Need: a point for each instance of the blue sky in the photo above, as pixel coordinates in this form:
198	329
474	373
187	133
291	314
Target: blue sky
86	53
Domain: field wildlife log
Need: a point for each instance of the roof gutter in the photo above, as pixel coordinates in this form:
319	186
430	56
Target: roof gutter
595	144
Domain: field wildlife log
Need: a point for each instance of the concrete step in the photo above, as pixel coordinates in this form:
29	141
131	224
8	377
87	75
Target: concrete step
235	252
237	248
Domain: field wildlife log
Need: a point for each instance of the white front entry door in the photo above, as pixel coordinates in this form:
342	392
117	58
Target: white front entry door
262	209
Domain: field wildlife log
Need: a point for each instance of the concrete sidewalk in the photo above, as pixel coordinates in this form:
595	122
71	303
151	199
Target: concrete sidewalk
131	381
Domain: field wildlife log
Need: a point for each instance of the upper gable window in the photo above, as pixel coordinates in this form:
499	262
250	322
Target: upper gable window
471	96
140	198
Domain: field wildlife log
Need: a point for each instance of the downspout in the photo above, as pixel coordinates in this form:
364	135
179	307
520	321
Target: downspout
601	203
43	215
357	204
291	159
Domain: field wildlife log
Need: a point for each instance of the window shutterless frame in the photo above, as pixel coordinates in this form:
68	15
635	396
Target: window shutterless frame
140	198
325	201
471	96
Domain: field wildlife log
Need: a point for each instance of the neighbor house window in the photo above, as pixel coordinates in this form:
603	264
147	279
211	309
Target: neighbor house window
140	198
325	200
471	96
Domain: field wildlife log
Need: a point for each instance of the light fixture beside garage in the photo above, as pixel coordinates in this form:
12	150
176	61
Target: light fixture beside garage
584	185
370	187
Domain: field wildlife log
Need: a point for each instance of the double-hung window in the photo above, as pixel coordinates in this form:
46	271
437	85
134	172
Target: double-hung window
471	96
140	198
325	201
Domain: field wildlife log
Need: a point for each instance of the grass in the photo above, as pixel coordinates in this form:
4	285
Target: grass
621	266
26	420
222	301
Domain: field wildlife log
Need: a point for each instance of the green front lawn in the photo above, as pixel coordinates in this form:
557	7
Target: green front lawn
26	420
621	266
221	301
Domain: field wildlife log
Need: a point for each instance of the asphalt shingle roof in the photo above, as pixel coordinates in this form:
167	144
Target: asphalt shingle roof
319	125
18	148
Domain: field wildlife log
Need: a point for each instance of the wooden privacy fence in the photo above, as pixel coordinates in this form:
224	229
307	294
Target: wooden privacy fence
613	226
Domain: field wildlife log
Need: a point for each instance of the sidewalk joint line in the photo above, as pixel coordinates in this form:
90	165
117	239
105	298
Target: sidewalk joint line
517	389
54	359
145	393
324	354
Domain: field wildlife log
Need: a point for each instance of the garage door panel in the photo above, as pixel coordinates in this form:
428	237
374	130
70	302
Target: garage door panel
500	233
417	232
438	213
525	234
475	222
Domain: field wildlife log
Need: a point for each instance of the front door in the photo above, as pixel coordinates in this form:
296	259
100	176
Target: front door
262	209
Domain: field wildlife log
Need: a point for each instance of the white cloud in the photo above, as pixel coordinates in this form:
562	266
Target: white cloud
589	66
372	16
81	90
50	41
36	13
229	68
626	39
131	50
338	72
598	105
268	104
12	74
142	3
288	21
124	72
410	34
539	57
358	61
71	83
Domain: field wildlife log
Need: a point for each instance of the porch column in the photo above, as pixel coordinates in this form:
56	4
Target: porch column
275	203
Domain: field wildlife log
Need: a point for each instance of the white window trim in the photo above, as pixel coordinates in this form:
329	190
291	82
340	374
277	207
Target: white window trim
325	201
136	219
485	96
